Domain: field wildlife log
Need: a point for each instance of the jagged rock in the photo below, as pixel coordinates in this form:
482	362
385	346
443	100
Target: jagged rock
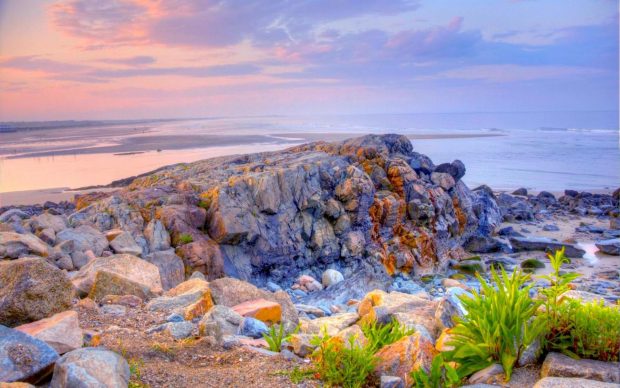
23	357
157	236
450	307
121	274
32	289
545	244
443	180
391	382
231	292
60	331
309	284
91	367
48	236
123	300
352	333
124	243
13	215
85	238
203	256
521	191
569	382
190	299
179	330
485	244
14	245
404	356
171	268
515	208
559	365
610	247
456	169
301	344
261	309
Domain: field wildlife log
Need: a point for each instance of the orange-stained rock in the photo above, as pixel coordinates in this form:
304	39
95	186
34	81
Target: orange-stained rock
442	342
60	331
355	332
405	356
390	303
199	308
261	309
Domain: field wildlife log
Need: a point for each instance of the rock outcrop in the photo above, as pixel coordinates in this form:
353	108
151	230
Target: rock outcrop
273	216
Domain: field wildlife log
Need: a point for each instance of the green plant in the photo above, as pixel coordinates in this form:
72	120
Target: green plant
499	324
379	335
342	364
185	239
441	375
275	337
297	374
590	330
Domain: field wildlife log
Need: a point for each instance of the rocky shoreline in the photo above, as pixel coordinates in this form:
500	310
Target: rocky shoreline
191	265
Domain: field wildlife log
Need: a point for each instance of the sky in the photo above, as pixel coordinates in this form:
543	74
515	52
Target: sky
132	59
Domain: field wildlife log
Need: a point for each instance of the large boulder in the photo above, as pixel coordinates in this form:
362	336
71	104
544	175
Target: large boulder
157	236
261	309
91	367
219	322
23	357
118	275
404	356
190	299
332	325
171	269
125	243
60	331
14	245
85	238
559	365
48	221
571	382
32	289
231	292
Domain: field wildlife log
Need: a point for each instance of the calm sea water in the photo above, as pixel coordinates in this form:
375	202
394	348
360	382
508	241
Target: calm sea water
536	150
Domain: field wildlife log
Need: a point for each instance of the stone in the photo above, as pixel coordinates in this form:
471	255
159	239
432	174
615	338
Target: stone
485	244
231	292
470	266
91	338
13	215
583	296
492	374
610	247
48	236
391	382
309	284
60	331
121	274
521	191
219	322
569	382
301	344
116	310
179	330
171	268
332	324
85	238
91	367
331	277
14	245
545	244
550	228
405	356
253	328
450	306
124	243
352	333
32	289
191	299
157	236
443	180
48	221
204	256
123	300
261	309
310	310
23	357
559	365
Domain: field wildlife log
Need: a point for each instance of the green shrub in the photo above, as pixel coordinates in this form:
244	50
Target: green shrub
275	337
379	335
441	375
339	364
532	264
185	239
590	330
498	327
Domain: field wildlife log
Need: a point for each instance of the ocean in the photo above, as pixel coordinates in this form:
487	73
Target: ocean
537	150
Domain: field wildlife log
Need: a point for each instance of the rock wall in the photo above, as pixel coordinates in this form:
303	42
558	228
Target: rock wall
367	203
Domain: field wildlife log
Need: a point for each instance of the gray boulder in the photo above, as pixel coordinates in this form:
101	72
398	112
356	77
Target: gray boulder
559	365
125	243
13	215
610	247
571	382
545	244
85	238
32	289
14	245
171	268
91	367
157	236
23	357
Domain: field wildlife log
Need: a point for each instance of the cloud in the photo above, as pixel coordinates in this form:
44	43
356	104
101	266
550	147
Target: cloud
512	73
209	23
138	60
36	63
238	69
